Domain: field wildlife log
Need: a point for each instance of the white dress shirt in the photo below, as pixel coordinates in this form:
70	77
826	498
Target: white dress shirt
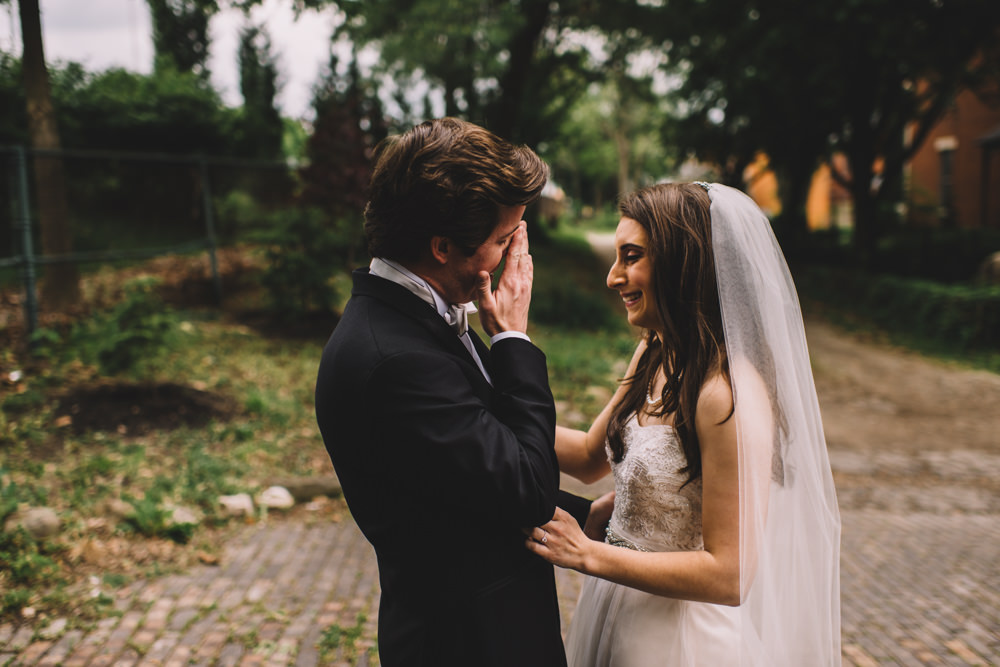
399	274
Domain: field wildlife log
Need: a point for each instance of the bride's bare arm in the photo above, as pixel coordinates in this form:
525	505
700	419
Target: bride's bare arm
581	453
709	575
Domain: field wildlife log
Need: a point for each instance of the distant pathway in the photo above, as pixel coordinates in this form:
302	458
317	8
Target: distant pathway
603	244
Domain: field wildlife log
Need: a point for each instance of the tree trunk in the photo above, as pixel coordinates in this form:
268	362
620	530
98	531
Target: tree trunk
505	116
450	105
61	284
622	150
790	225
865	225
861	158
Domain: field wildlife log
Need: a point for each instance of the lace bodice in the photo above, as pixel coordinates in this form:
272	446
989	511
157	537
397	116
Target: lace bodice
651	508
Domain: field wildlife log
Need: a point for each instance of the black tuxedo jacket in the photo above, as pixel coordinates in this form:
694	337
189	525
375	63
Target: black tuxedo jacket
441	472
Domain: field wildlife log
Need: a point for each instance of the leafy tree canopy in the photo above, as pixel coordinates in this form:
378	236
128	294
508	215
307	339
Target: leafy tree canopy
261	126
168	111
180	33
800	80
515	67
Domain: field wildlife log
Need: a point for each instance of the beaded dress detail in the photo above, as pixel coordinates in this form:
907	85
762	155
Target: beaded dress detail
654	509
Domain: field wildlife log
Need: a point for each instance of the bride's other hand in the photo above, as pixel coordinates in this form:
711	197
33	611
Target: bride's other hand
561	541
599	516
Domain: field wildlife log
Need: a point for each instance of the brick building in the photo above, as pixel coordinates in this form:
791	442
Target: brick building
954	179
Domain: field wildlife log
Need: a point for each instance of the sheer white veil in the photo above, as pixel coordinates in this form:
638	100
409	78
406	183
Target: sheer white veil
789	523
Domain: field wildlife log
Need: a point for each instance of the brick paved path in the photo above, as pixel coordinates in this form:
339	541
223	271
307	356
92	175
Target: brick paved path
920	586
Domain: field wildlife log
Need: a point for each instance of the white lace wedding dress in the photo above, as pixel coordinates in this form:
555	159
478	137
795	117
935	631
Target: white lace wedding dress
617	626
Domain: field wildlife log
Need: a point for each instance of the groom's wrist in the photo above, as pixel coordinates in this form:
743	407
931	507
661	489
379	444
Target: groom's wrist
508	334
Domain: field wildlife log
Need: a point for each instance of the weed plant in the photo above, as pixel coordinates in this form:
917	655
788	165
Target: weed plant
336	639
28	565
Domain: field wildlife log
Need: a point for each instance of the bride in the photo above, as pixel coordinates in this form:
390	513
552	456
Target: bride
723	545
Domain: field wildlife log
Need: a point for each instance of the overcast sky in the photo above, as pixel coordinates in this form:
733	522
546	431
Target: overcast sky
117	33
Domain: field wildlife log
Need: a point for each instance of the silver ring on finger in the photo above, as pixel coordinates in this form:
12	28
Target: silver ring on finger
545	537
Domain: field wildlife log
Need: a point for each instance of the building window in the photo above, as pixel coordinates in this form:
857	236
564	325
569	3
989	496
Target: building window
946	182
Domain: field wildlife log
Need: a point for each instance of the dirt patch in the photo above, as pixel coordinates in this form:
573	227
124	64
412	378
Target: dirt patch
137	409
878	398
186	280
316	326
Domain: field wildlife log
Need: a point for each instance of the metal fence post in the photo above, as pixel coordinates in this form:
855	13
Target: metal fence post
22	222
206	194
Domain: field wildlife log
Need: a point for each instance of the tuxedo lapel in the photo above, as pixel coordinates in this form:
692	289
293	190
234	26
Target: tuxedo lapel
401	299
481	350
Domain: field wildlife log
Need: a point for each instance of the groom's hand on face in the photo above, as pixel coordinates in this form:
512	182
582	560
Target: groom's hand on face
506	309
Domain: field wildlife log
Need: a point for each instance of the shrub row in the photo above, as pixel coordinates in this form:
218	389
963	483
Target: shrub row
943	255
569	289
961	316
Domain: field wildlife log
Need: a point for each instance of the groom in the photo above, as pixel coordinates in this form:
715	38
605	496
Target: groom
444	446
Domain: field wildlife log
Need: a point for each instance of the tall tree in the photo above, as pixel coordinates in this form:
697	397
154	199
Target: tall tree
61	286
349	123
180	34
261	122
610	142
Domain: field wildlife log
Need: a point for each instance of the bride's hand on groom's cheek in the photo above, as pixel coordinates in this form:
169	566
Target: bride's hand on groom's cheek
560	541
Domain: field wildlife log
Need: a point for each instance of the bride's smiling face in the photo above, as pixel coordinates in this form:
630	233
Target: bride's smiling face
632	275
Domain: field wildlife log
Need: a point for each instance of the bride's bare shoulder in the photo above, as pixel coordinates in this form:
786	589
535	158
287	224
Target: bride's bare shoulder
715	402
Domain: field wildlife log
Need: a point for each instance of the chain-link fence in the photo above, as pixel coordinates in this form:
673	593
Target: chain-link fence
130	206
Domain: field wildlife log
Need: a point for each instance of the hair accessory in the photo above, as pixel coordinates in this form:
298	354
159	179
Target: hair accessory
703	184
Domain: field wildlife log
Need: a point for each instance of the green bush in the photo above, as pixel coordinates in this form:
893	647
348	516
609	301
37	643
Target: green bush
942	255
564	304
135	330
305	248
569	290
957	316
939	255
133	334
236	214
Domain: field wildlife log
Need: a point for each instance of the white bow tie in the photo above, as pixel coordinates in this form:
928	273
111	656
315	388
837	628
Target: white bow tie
457	315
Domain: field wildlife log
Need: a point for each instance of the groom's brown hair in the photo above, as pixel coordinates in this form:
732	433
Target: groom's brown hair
445	177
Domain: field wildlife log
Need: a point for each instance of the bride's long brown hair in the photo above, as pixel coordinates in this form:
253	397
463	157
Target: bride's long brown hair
677	222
